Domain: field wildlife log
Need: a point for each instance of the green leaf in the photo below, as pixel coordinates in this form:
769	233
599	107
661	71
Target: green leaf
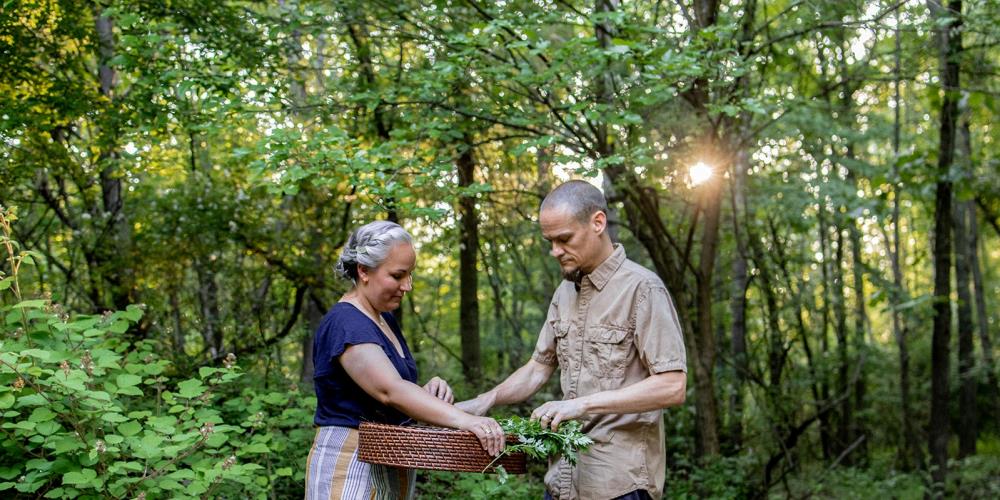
114	418
256	448
29	400
6	282
129	428
129	391
133	313
6	400
48	428
31	304
126	380
42	414
83	477
190	388
36	353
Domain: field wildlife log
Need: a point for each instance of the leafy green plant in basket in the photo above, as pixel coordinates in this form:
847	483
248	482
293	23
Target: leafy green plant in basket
567	441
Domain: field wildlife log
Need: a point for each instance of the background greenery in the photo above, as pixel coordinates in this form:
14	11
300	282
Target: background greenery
184	174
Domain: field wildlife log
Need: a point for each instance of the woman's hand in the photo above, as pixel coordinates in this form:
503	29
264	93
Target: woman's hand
488	431
440	389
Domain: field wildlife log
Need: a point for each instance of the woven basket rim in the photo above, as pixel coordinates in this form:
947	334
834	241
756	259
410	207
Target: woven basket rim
431	447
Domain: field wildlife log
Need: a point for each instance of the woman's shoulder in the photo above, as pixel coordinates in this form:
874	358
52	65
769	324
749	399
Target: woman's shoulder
343	316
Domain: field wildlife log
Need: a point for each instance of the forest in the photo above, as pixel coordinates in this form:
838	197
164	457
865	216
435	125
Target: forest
817	183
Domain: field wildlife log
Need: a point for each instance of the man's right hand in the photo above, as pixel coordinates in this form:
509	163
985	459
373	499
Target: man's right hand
476	406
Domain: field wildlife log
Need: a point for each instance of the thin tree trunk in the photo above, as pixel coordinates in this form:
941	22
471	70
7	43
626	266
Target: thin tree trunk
114	254
175	312
314	316
858	428
840	318
825	424
950	41
910	454
468	314
738	302
705	361
967	431
985	341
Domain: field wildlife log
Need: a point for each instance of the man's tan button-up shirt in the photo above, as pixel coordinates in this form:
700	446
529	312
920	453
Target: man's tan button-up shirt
618	329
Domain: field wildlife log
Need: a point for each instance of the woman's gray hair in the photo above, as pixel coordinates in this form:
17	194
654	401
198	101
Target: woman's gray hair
369	246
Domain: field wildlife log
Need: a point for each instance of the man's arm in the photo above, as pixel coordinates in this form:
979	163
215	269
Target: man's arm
662	390
518	387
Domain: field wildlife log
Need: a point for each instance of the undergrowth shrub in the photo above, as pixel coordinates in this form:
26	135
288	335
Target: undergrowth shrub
89	413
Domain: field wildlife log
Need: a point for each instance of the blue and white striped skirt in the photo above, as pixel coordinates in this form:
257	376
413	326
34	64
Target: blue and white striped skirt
334	472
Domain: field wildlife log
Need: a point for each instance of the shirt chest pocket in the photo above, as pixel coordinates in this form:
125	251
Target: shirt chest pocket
609	351
560	330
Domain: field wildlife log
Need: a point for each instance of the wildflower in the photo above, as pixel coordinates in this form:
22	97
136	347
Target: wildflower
65	368
18	384
100	446
207	430
230	360
87	363
229	462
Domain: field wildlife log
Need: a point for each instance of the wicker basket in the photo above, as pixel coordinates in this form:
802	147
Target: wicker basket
422	447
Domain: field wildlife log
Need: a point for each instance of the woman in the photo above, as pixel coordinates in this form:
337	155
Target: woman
365	372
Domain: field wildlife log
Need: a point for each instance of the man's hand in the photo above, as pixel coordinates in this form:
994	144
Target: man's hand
477	406
440	389
553	413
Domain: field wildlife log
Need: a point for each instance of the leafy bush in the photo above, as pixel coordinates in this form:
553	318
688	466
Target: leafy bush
90	414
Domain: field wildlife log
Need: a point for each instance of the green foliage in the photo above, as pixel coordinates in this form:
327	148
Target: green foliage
567	441
88	413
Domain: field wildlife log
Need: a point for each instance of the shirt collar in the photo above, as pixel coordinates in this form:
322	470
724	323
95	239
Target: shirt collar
603	273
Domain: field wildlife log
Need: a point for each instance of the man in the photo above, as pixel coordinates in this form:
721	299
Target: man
613	332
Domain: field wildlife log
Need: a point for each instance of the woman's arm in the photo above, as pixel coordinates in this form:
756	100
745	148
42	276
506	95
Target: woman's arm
368	366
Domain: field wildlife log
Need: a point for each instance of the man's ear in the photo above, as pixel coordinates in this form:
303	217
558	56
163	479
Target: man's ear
599	221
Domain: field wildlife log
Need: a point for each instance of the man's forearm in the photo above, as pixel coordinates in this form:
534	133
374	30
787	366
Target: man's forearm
519	386
659	391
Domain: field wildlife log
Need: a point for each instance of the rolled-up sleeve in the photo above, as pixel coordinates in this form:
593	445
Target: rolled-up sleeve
658	335
545	348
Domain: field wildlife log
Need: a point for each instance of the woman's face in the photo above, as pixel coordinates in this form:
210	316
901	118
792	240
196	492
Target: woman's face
385	285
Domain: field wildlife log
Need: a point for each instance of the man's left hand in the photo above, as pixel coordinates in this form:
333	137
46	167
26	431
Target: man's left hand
553	413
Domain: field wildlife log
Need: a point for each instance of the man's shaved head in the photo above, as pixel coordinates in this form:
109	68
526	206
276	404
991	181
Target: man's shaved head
579	198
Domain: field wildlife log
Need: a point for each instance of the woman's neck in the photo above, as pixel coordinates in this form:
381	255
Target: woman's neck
361	303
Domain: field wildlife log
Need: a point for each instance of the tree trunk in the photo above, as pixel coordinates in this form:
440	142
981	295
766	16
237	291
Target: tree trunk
840	318
314	316
986	343
738	301
604	32
949	43
910	455
705	361
114	255
468	314
967	431
826	434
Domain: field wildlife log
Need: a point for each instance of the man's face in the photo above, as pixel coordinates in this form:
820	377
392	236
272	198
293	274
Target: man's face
576	245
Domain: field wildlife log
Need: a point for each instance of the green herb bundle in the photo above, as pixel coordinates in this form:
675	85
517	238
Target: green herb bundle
567	441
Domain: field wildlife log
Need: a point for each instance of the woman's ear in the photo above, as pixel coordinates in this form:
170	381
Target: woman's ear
363	273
